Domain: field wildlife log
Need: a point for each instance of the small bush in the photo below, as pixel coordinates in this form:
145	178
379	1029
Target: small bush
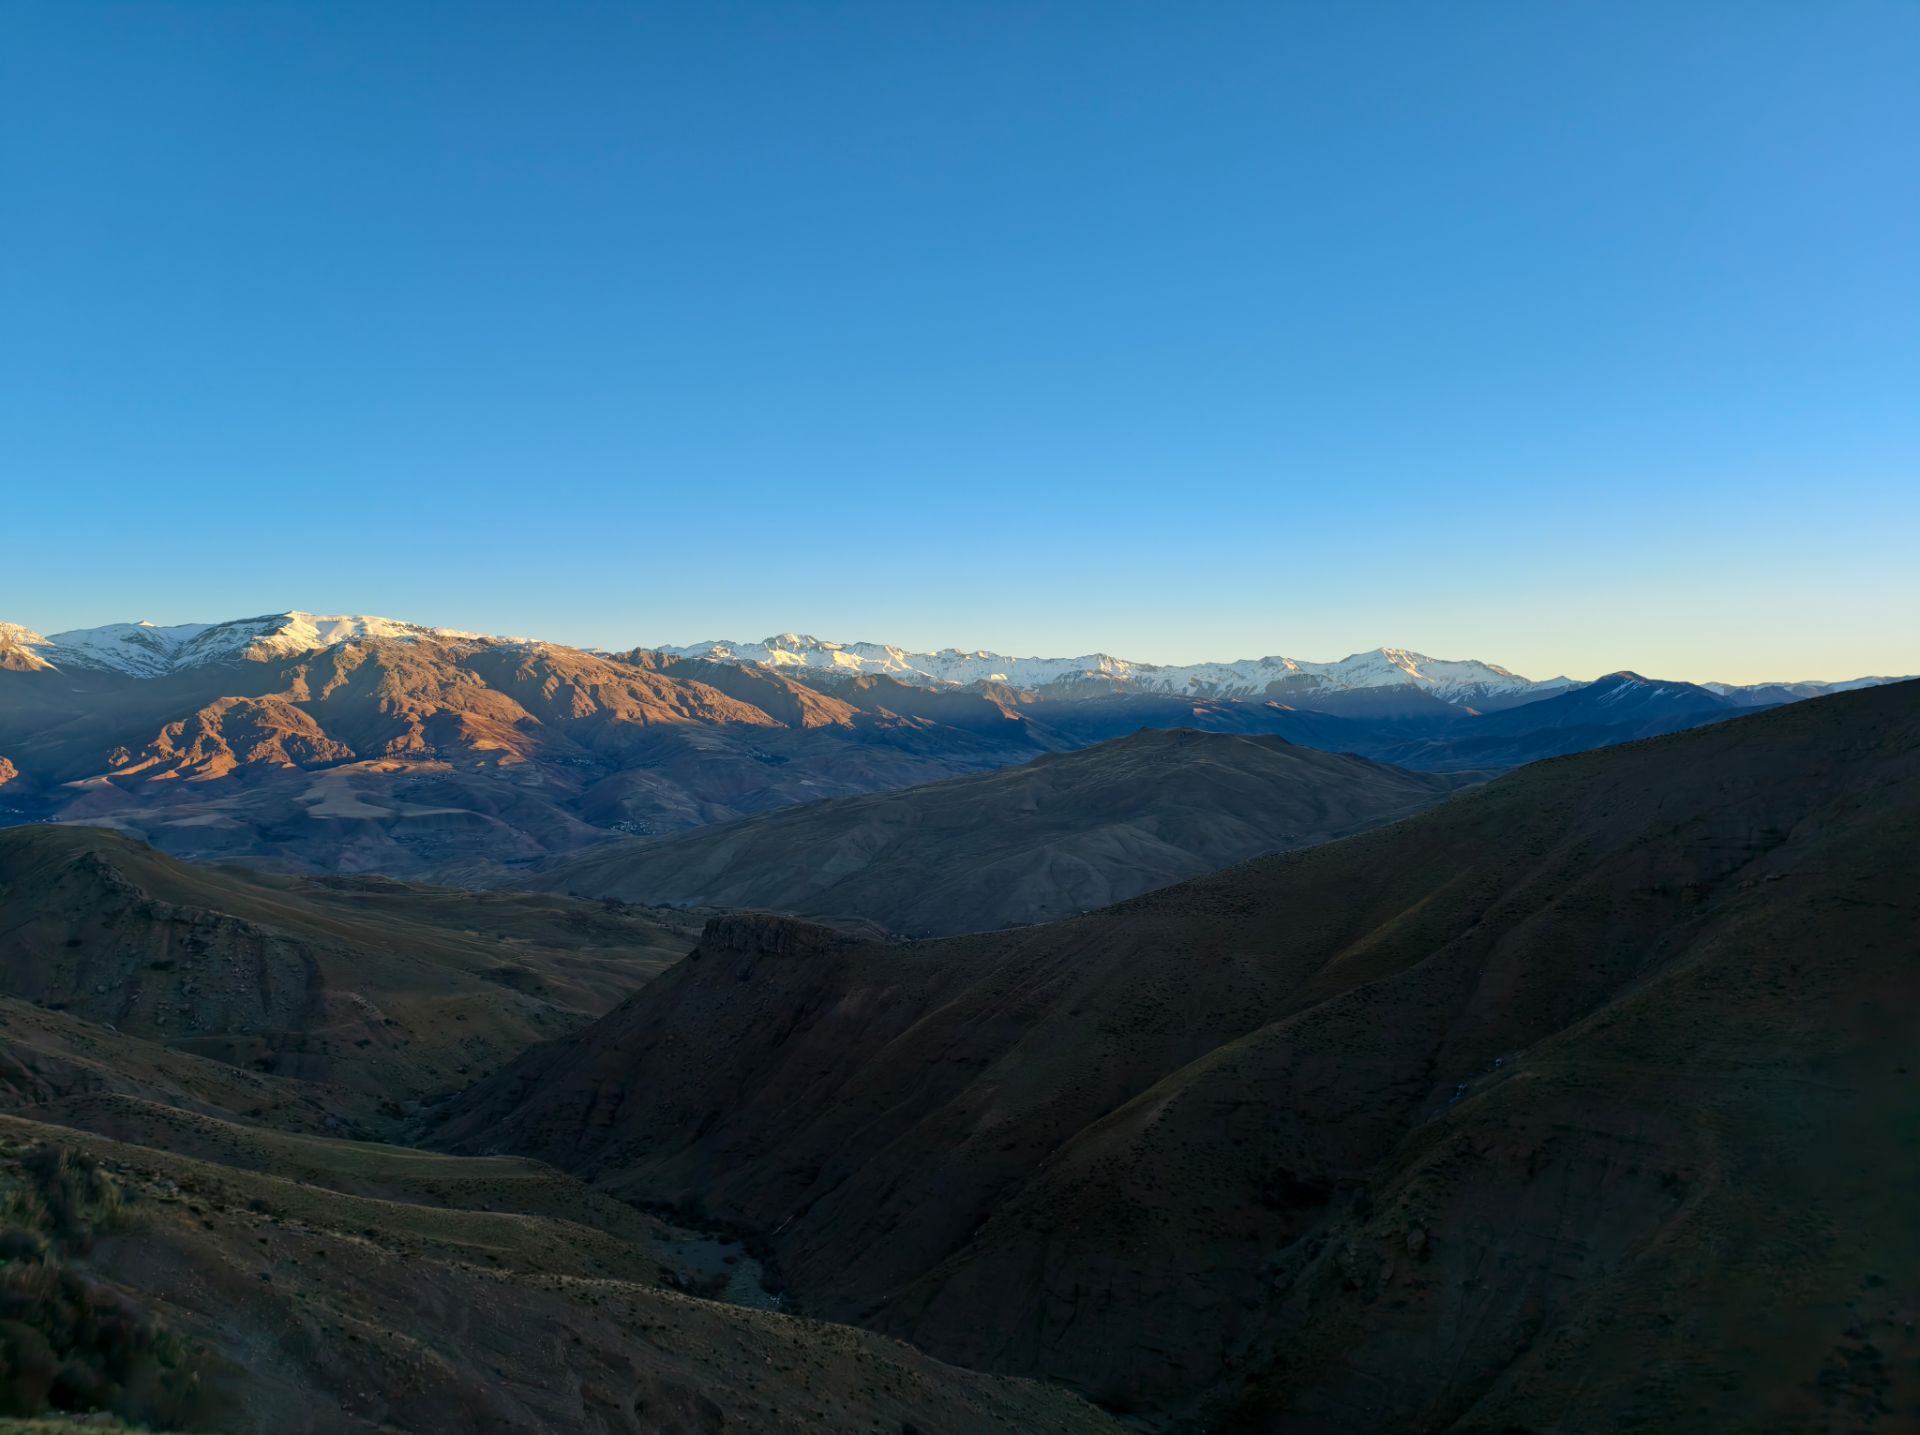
68	1343
70	1197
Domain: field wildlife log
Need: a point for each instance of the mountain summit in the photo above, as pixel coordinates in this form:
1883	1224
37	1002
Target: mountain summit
148	650
1464	682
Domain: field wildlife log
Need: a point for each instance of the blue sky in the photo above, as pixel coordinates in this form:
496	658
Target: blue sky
1567	336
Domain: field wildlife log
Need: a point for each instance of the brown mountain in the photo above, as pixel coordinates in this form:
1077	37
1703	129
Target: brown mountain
425	753
1055	836
1584	1101
411	755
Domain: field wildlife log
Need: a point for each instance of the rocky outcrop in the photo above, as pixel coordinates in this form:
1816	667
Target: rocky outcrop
234	732
762	934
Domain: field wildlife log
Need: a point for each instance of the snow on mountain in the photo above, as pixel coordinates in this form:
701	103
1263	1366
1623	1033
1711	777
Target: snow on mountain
1464	682
145	650
22	649
1757	694
1628	688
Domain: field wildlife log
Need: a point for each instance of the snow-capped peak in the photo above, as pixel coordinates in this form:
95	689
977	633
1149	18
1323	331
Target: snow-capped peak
22	650
13	635
150	650
1455	681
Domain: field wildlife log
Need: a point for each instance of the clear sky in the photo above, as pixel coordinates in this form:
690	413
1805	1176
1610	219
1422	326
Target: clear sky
1567	336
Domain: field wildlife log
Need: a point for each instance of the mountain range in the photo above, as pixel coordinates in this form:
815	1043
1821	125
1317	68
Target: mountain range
368	744
149	650
1482	685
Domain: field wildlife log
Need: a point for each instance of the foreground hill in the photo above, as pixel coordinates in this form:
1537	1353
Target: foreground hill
1583	1101
393	990
384	1291
186	1240
1050	838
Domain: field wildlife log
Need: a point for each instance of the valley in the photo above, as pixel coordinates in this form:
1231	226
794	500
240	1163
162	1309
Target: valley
1425	1128
996	1060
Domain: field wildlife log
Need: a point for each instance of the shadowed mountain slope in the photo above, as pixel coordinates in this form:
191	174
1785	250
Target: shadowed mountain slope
185	1240
1050	838
393	1290
392	989
1583	1101
1621	707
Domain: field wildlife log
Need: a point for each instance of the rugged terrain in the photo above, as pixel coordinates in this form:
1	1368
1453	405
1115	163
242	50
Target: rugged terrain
388	989
1583	1101
1050	838
380	1291
357	744
199	1229
406	753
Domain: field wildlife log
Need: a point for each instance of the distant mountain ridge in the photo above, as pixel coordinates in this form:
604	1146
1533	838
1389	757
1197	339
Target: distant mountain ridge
146	650
403	750
361	743
150	650
1468	682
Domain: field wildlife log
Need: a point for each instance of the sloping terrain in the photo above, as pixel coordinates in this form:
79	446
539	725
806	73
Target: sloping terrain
189	1238
1584	1101
1047	839
265	1304
392	990
404	755
1621	707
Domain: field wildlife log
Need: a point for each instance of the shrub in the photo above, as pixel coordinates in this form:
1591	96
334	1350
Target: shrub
68	1343
71	1195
